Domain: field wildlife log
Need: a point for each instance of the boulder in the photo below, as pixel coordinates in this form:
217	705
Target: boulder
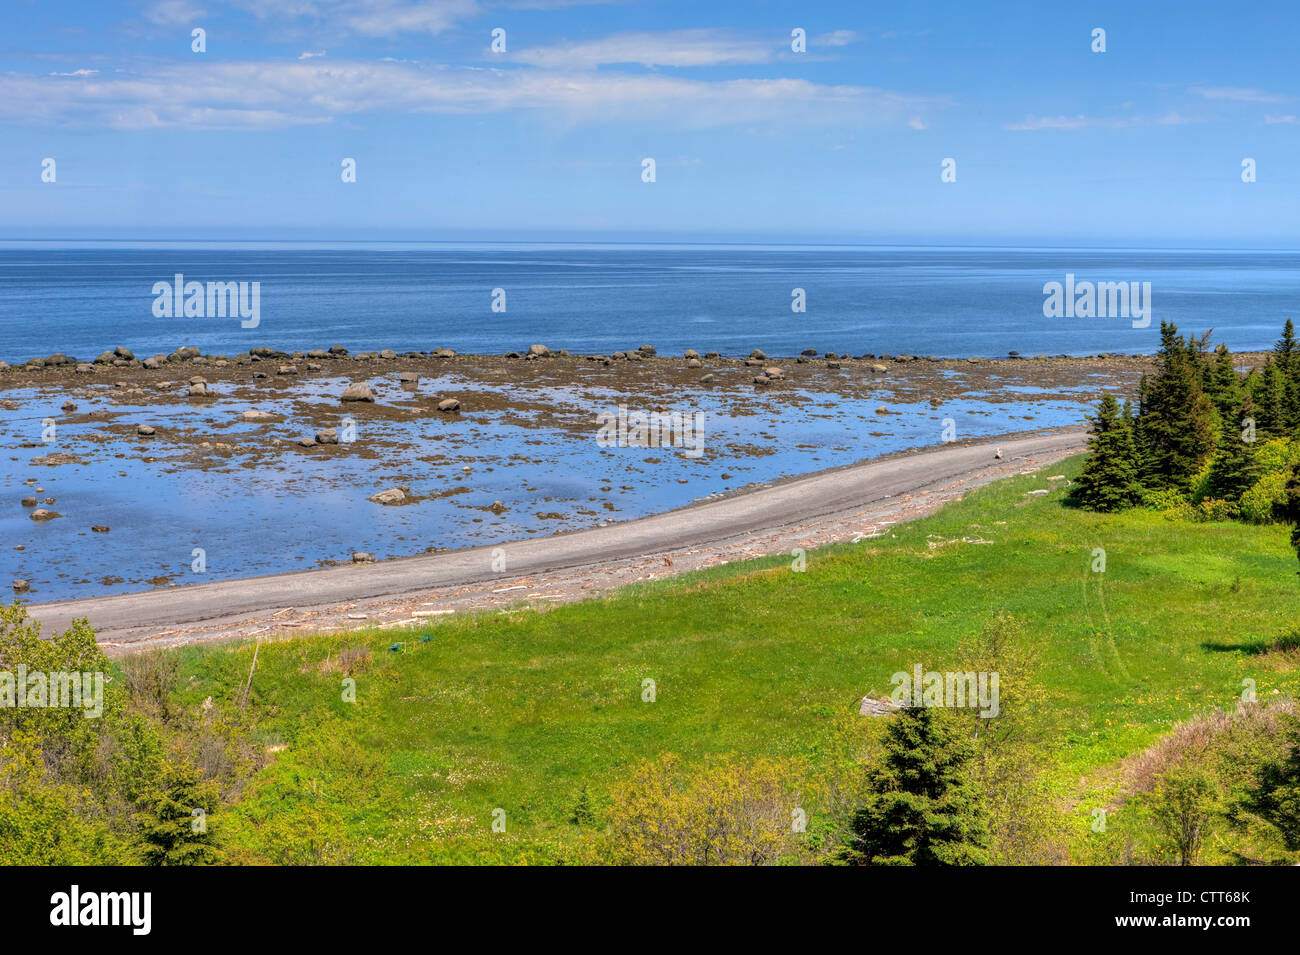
22	586
361	557
29	502
691	353
105	358
756	353
125	353
145	431
327	436
81	369
307	443
879	369
255	415
198	391
68	407
357	391
774	372
449	404
694	363
538	351
100	528
393	495
41	514
388	354
286	370
338	351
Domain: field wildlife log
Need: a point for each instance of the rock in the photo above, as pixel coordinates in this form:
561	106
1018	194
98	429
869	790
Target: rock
832	364
286	370
255	415
809	353
338	350
312	366
1037	493
198	391
68	407
393	495
879	369
497	508
29	502
709	379
260	374
124	353
184	353
198	380
444	353
538	351
691	353
307	443
757	354
100	528
694	363
41	514
58	359
105	358
762	380
327	436
388	354
318	353
449	404
881	707
711	356
81	369
145	431
35	363
413	376
361	557
647	350
357	391
4	366
154	361
774	372
22	586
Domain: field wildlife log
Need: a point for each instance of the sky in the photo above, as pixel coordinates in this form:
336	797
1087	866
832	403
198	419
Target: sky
1052	142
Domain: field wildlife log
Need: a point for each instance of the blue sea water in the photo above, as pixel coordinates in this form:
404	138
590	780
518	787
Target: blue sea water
83	298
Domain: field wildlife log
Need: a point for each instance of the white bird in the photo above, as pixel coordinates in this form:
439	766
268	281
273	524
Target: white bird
998	454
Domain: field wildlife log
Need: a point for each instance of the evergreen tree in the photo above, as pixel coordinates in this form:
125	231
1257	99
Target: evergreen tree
1235	468
1287	358
1109	480
1225	387
922	808
174	833
1174	432
1276	797
1271	400
1289	510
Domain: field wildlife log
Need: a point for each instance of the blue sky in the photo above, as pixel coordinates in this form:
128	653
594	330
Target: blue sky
1053	143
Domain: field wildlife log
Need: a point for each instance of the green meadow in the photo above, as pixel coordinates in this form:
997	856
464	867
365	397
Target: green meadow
537	711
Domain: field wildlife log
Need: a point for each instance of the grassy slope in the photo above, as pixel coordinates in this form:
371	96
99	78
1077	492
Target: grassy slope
520	710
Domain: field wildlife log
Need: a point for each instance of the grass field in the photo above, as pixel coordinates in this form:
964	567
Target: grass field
521	710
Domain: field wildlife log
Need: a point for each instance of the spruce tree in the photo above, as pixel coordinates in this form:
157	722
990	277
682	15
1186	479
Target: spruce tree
1276	797
1235	468
922	808
1174	432
1225	389
1109	480
173	832
1271	400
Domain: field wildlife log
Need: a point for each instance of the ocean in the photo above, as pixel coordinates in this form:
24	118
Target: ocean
84	298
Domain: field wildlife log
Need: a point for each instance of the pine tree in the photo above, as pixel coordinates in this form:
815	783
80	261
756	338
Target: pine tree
1235	468
174	823
1286	355
1174	432
1289	510
922	808
1109	480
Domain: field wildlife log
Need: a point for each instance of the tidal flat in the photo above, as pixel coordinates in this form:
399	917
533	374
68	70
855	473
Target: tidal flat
232	482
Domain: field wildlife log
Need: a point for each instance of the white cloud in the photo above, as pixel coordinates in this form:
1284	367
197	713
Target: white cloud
1079	121
1275	119
836	38
1237	94
667	48
310	55
373	18
266	94
172	12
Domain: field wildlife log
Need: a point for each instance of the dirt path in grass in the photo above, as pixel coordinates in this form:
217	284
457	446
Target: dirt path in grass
842	504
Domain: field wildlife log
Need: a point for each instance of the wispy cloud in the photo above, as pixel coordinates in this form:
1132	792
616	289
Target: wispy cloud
1079	121
667	48
1237	94
372	18
268	94
1276	119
